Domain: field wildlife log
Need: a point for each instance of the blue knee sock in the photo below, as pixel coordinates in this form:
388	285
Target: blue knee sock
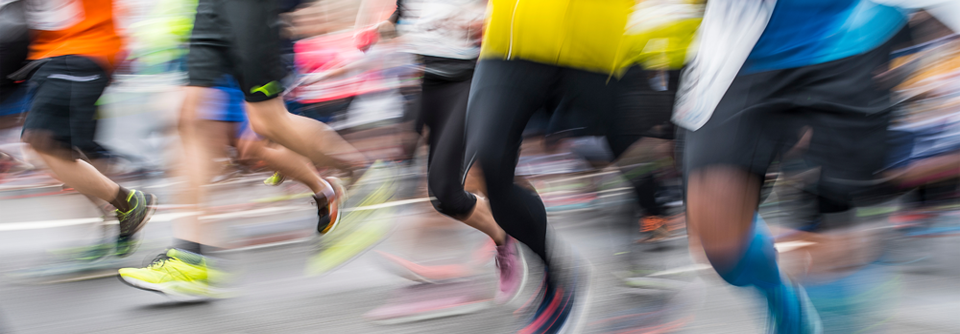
758	268
758	264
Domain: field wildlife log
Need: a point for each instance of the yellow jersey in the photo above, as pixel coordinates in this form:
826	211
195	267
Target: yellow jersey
591	35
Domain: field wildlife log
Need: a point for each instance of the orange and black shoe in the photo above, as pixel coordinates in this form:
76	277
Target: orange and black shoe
661	228
328	209
652	223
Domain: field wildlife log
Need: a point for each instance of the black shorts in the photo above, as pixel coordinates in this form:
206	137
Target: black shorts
643	107
327	111
763	114
63	115
240	38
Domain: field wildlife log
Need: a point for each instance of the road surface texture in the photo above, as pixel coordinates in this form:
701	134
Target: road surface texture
275	296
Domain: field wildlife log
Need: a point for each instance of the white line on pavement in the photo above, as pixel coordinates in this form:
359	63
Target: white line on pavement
163	217
787	246
389	204
42	224
18	226
680	270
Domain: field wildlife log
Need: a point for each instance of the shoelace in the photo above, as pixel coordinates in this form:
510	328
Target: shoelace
159	261
123	215
162	259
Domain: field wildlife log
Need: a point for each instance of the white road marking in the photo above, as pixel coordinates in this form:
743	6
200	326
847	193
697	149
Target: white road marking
390	204
787	246
680	270
42	224
166	217
35	225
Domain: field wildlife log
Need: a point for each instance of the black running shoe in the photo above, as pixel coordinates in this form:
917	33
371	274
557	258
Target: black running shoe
328	209
142	207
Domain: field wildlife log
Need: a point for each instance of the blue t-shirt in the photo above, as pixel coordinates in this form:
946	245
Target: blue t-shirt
809	32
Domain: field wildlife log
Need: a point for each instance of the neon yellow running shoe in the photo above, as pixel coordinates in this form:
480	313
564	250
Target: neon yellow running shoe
181	275
275	180
336	253
363	225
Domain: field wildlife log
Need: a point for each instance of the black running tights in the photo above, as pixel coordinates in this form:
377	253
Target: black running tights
443	109
504	96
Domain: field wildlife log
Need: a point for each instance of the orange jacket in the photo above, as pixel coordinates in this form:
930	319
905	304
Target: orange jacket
89	32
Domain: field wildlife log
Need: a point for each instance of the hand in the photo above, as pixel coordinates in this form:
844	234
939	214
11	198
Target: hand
366	38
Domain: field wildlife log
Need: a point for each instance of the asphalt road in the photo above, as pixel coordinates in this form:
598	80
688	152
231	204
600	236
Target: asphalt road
275	296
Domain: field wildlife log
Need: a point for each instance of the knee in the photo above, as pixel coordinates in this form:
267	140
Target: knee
494	169
44	143
260	126
250	150
755	265
450	199
458	212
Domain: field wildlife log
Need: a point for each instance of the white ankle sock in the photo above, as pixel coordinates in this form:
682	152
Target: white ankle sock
328	191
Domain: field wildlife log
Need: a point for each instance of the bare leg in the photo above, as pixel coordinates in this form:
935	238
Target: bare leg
285	161
81	176
721	204
481	218
202	141
302	135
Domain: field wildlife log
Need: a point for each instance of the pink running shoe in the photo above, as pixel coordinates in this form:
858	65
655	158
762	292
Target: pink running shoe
513	271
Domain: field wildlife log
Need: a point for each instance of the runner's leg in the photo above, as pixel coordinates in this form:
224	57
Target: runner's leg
81	176
283	161
721	203
255	48
444	107
503	97
202	140
443	111
66	91
303	135
61	108
208	62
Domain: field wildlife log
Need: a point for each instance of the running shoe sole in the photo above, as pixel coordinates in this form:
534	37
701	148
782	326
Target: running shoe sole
167	289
